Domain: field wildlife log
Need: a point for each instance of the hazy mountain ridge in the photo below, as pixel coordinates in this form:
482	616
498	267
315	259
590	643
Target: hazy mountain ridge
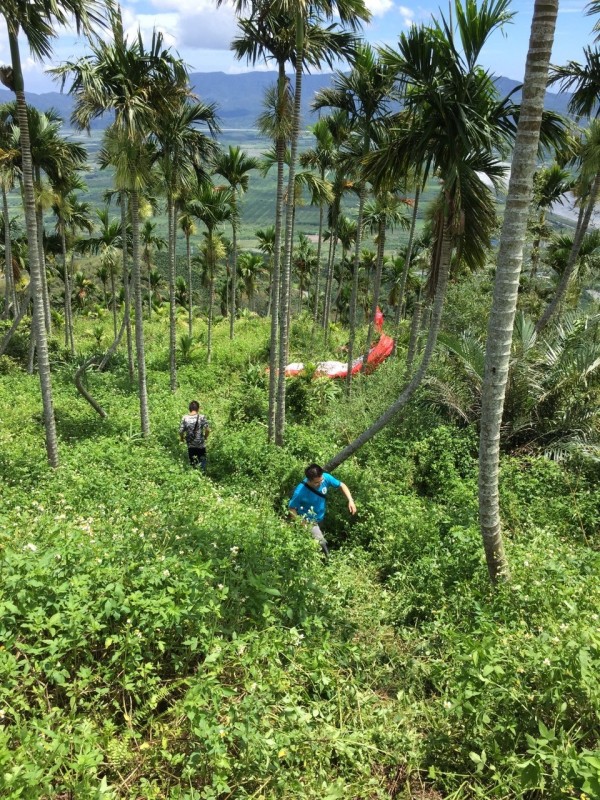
240	97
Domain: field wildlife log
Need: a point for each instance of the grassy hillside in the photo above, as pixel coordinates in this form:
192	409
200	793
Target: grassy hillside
169	635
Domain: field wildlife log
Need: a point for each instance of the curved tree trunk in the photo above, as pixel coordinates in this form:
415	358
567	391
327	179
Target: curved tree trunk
139	315
126	284
34	263
376	290
583	223
506	283
287	255
415	327
172	304
438	307
406	269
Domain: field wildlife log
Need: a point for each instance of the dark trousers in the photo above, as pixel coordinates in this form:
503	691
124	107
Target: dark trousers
197	457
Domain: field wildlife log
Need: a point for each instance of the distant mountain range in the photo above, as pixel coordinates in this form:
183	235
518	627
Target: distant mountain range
240	97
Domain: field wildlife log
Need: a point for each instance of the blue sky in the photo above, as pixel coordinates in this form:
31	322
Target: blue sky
201	33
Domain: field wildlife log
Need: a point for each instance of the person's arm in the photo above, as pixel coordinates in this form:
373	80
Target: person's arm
351	504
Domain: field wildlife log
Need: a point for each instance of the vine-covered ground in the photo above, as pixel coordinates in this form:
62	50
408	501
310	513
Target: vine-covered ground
169	635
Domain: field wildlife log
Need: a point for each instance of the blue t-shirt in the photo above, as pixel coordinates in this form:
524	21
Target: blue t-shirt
311	504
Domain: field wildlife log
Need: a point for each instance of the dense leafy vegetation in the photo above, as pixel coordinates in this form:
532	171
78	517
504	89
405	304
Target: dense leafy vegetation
167	635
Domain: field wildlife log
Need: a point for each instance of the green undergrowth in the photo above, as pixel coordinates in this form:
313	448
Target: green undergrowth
165	634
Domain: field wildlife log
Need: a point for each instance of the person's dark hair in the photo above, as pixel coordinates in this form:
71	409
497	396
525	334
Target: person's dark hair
194	406
313	471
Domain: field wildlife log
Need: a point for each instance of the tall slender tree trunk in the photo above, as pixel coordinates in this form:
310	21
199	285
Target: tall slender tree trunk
188	255
10	295
34	263
583	223
506	283
355	276
234	266
114	302
376	289
139	314
39	215
127	297
329	280
289	227
407	393
318	266
211	291
406	269
172	303
275	288
69	341
413	339
16	322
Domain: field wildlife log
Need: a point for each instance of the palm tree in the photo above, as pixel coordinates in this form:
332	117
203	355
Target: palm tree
386	211
267	34
234	166
550	185
506	284
251	265
107	244
138	85
37	21
186	224
445	90
213	206
266	245
150	240
364	95
182	151
588	189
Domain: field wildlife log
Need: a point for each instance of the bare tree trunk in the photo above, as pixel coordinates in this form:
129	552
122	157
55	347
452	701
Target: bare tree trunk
127	299
506	283
10	295
405	396
329	281
406	269
275	289
415	327
355	275
67	305
139	315
376	290
34	263
16	322
318	267
114	302
172	305
234	267
39	216
211	290
583	223
188	253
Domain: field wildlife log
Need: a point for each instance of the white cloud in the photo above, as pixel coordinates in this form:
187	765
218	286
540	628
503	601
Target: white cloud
407	14
379	7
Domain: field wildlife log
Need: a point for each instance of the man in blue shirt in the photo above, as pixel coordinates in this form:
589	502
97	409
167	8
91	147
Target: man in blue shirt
308	500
